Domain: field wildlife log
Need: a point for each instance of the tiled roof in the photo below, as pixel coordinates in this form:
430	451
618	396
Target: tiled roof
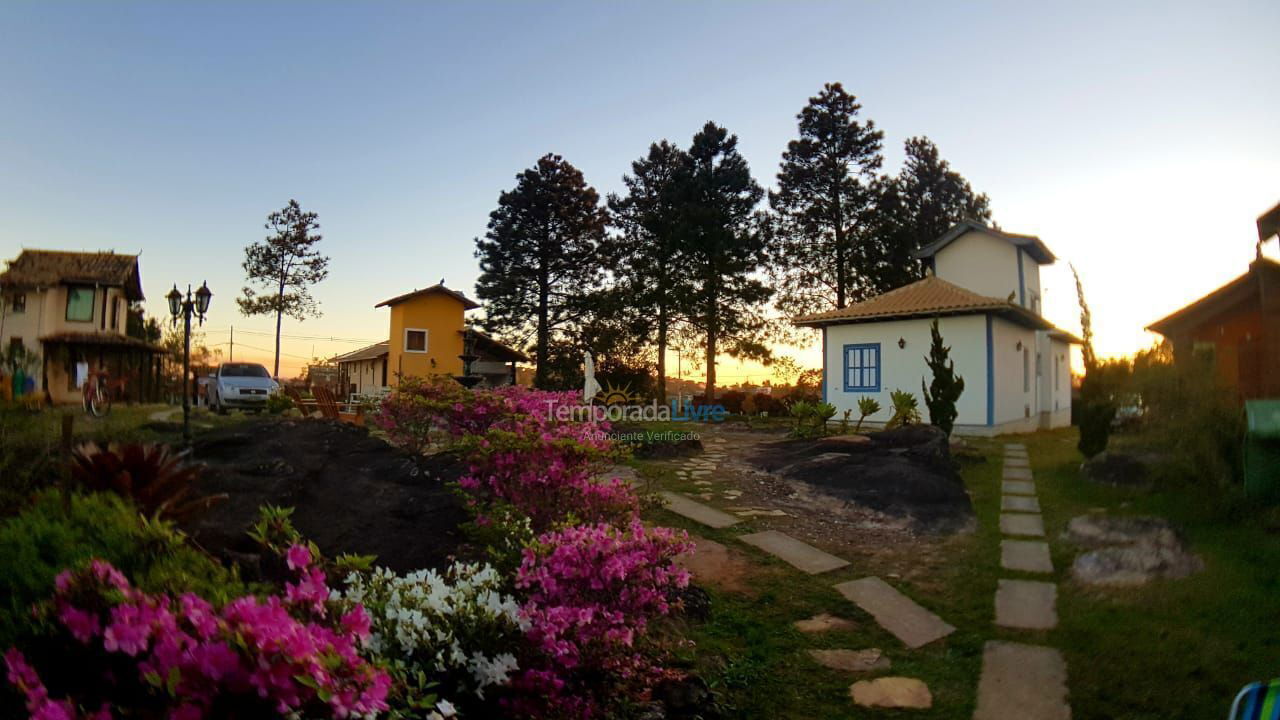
1029	243
100	339
467	303
925	298
371	352
45	268
491	349
1244	287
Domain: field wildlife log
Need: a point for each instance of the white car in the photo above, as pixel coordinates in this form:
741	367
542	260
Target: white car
245	386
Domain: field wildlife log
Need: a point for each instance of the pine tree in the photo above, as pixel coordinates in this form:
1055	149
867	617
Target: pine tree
913	209
651	267
284	265
540	259
724	250
946	387
824	199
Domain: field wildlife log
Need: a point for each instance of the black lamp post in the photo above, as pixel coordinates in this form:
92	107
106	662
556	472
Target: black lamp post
186	308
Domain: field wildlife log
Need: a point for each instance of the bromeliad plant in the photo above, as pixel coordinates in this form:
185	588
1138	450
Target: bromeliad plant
906	410
160	656
159	481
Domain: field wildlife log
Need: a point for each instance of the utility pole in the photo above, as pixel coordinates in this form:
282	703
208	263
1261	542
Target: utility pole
231	353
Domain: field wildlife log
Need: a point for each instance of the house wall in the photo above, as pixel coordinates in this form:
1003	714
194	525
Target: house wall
366	375
46	314
904	368
441	315
988	265
1015	395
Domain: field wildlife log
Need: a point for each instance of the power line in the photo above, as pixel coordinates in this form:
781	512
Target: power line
295	337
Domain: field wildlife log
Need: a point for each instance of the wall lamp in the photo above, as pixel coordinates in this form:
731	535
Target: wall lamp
902	343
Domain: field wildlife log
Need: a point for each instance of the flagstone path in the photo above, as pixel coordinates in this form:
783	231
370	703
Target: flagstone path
1022	682
900	615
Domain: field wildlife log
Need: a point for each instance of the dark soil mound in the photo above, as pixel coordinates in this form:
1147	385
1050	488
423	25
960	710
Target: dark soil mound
906	473
350	492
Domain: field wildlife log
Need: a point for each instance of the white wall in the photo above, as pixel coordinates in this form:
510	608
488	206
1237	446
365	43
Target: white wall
988	265
903	369
1015	395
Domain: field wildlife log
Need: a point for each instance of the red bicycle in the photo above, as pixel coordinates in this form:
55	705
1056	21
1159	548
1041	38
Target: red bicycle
97	392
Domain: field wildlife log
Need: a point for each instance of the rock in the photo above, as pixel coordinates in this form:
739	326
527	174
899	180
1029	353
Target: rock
851	660
823	622
843	443
695	602
686	697
1129	550
891	692
1112	467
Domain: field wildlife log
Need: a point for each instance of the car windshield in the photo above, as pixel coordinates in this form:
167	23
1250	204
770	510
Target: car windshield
244	370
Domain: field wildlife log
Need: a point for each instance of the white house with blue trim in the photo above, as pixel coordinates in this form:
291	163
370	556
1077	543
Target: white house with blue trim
983	286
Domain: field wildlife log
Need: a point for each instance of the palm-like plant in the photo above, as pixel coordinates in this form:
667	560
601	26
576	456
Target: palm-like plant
867	406
906	410
157	480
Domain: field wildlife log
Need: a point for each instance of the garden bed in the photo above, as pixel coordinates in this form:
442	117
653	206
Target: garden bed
351	492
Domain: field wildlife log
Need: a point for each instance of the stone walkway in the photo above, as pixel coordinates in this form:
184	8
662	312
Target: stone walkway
1023	682
898	614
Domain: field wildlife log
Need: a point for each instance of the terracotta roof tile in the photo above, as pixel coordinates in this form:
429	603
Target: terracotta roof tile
467	303
45	268
929	297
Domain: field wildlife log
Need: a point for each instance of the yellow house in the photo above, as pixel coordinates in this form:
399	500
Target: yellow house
427	335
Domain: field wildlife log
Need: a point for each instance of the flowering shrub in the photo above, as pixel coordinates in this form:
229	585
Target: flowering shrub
519	448
179	658
591	592
454	631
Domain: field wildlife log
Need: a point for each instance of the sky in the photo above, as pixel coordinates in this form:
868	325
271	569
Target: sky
1139	140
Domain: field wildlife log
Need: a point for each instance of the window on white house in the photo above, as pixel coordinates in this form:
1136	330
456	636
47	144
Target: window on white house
862	367
18	303
80	304
1026	370
115	313
1057	373
415	340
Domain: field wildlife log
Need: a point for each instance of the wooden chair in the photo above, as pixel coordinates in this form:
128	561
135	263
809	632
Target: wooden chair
330	408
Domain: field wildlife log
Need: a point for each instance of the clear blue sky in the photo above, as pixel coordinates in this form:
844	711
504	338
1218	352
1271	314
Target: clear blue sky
1139	140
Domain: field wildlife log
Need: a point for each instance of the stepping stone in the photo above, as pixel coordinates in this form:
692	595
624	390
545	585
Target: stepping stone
700	473
1018	487
709	516
1021	524
1025	555
1015	446
1013	473
1020	503
801	555
823	622
1015	453
703	483
732	494
1016	462
760	513
626	474
851	660
1027	604
1026	682
704	496
895	612
891	692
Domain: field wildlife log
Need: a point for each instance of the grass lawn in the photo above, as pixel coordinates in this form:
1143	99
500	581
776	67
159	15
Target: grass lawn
30	442
1174	649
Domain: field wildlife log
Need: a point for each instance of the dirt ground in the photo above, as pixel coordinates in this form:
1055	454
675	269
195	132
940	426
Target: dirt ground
350	492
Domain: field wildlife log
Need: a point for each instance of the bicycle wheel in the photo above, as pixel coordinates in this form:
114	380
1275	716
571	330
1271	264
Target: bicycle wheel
98	399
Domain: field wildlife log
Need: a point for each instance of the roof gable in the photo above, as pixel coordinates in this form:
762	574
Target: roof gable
1221	300
438	288
927	298
1031	244
46	268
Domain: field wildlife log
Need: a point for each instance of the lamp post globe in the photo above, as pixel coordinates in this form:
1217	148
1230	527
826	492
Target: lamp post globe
175	301
203	295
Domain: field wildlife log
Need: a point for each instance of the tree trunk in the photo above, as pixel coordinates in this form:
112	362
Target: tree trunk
662	353
544	293
275	373
711	363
